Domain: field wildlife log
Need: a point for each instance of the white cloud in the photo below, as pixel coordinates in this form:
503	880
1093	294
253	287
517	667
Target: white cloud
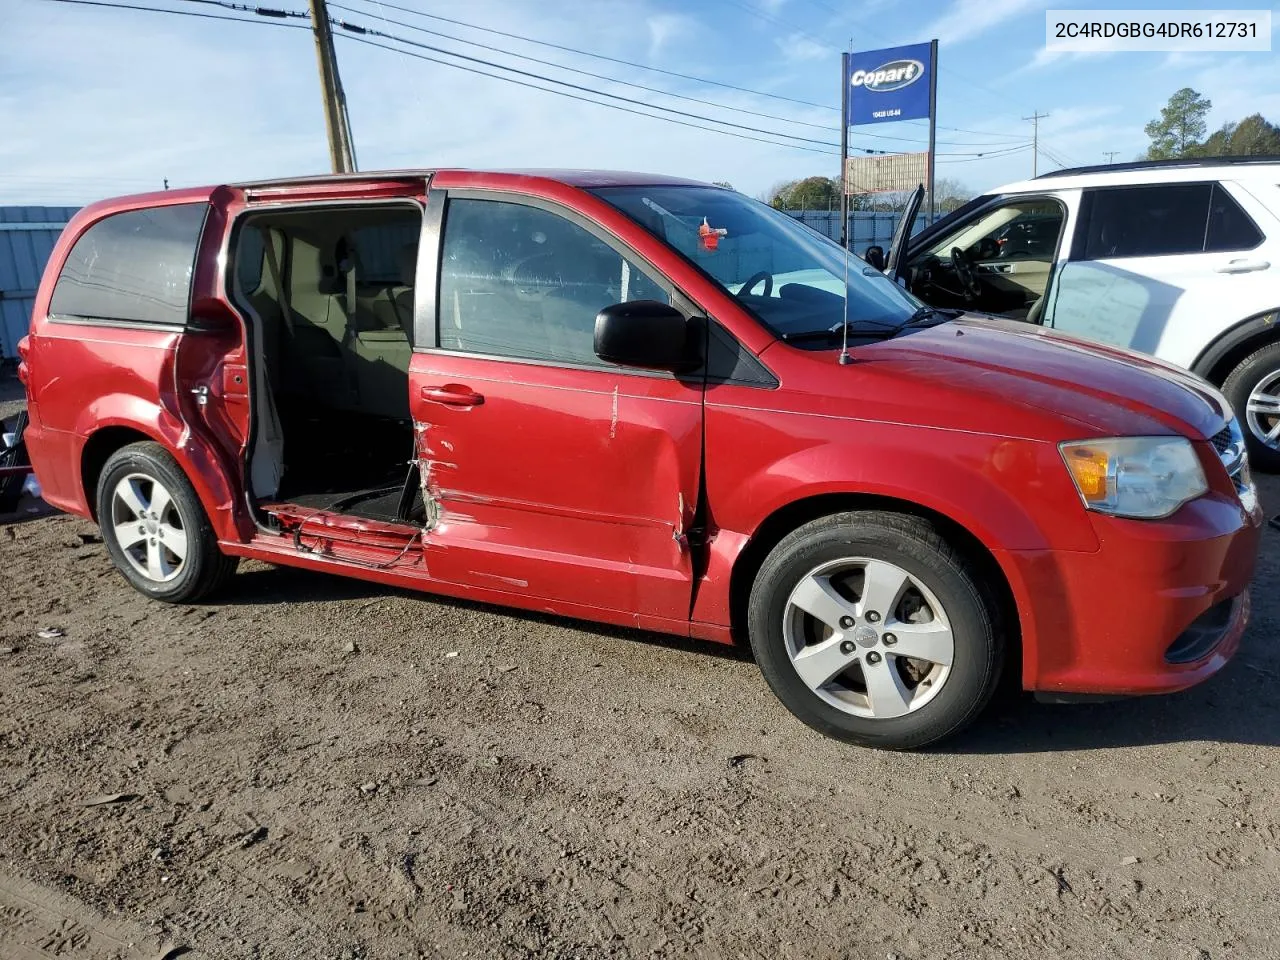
1239	86
100	102
967	19
1044	57
666	27
797	47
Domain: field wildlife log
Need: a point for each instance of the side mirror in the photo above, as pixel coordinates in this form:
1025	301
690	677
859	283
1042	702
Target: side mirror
875	256
647	333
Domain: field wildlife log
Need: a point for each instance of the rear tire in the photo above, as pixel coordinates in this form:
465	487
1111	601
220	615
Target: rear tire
904	648
1253	390
155	528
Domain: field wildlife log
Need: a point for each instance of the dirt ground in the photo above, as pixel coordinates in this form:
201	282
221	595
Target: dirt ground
313	767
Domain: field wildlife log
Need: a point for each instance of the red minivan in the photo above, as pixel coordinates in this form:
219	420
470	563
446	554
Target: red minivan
642	401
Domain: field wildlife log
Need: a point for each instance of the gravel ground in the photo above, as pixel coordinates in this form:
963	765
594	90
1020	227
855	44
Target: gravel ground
314	767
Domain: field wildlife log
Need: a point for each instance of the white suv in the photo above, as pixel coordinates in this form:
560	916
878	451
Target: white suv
1178	259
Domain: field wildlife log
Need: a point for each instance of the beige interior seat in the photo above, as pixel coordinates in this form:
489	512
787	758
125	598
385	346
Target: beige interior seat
385	347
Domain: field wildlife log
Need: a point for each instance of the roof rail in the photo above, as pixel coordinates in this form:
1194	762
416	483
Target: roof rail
1159	165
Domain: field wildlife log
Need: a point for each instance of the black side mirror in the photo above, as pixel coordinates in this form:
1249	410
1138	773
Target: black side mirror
647	333
875	256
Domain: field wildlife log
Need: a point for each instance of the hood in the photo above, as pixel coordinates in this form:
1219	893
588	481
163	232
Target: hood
975	367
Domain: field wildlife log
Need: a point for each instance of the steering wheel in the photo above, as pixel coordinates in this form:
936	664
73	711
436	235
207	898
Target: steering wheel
755	278
965	273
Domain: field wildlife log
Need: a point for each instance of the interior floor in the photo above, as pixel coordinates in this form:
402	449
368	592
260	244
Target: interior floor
345	462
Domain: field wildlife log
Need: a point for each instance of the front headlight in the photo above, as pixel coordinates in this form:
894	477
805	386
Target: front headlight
1140	477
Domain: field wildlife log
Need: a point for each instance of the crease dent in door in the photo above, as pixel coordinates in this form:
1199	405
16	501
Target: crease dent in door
425	462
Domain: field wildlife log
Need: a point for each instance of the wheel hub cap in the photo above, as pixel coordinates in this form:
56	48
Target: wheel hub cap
865	636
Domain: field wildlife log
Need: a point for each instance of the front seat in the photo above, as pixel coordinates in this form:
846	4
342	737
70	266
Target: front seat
385	350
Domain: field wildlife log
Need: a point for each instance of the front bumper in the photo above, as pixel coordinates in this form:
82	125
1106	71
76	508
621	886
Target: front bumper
1159	607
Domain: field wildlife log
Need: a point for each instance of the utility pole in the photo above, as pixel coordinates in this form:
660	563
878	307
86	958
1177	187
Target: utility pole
337	123
1110	155
1035	119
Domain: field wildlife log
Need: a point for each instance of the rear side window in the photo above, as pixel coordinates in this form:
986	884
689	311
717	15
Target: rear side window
133	267
1164	220
1147	221
1229	226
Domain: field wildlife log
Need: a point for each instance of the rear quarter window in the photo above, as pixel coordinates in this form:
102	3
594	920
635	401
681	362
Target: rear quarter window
133	267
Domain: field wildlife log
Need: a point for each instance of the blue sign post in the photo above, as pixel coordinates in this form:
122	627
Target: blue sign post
884	86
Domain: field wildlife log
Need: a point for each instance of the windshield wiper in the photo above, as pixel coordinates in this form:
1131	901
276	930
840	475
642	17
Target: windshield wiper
926	312
833	334
837	331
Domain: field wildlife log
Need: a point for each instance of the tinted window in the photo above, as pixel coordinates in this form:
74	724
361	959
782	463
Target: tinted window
380	250
249	259
1229	227
1147	221
132	266
518	281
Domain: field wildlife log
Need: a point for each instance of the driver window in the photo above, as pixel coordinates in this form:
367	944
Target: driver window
998	262
1026	230
519	281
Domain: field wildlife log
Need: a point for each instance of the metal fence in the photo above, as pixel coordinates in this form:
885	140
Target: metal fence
27	236
866	227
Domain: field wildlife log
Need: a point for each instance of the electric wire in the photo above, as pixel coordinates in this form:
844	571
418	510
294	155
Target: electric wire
194	13
362	34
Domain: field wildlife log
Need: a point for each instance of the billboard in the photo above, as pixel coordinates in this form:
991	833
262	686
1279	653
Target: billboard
886	173
888	85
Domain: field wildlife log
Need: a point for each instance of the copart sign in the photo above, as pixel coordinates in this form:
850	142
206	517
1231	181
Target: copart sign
890	84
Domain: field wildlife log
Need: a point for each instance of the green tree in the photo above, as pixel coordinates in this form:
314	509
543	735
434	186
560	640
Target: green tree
1178	131
811	193
1251	137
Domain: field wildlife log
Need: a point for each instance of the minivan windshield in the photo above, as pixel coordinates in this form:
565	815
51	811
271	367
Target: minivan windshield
791	277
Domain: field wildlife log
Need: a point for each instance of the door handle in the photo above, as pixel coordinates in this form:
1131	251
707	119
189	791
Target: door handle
452	395
1244	266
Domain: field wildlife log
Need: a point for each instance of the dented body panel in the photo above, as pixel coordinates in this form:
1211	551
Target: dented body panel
572	485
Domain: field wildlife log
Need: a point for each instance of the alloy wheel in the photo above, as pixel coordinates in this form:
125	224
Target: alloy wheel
868	638
148	528
1262	412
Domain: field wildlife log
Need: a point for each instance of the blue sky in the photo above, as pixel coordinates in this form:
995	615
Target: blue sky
96	102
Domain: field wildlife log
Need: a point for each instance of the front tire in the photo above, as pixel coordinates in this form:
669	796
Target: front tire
870	628
1253	390
155	528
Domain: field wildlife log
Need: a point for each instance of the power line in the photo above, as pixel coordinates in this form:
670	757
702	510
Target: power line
640	66
611	79
367	31
585	73
571	96
246	8
362	31
989	156
361	34
601	56
260	11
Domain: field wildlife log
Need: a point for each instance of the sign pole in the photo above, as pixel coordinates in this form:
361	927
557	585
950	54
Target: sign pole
844	150
933	119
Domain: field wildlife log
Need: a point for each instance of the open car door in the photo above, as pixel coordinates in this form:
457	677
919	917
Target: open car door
898	252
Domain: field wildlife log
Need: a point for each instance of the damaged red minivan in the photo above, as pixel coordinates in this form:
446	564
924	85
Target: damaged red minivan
642	401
